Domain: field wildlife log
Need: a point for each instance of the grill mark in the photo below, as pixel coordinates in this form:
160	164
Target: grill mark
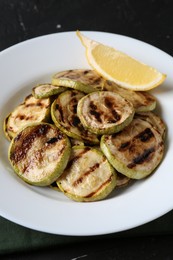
22	149
85	133
111	117
148	98
99	188
97	81
24	117
124	146
59	108
66	74
86	72
95	113
75	121
145	135
39	104
71	74
73	103
145	156
77	157
116	117
110	105
85	174
54	139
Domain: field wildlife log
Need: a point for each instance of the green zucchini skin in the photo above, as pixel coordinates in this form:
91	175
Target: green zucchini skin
64	115
136	151
88	175
104	112
39	153
46	90
83	80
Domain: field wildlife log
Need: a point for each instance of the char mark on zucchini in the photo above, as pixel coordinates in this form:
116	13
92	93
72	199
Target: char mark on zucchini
145	135
21	150
85	174
93	111
99	188
59	108
111	117
77	157
54	139
146	156
124	146
75	121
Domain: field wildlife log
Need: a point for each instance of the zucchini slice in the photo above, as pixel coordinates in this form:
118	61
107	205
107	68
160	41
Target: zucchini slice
32	110
84	80
88	175
122	180
104	112
135	151
64	115
141	100
154	120
46	90
39	153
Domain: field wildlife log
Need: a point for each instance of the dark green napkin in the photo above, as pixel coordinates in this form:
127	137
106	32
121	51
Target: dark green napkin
15	238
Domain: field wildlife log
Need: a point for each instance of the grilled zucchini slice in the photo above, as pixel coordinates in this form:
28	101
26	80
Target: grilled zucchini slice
104	112
39	153
64	115
32	110
122	180
154	120
88	175
46	90
141	100
135	151
85	80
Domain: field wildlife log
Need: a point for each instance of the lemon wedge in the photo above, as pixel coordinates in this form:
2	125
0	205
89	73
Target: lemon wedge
120	68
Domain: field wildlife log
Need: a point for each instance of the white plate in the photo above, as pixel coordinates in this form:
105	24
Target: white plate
43	209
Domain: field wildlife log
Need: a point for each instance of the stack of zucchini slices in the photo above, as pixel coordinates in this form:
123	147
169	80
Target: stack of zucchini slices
84	135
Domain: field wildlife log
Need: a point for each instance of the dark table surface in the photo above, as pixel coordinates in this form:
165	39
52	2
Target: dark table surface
150	21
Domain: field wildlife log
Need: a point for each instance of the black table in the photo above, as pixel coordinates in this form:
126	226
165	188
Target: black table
150	21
